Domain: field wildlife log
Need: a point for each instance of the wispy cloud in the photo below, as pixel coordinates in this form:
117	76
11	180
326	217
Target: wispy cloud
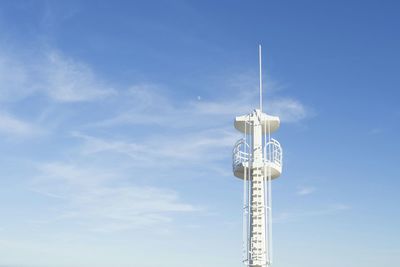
290	216
11	126
376	131
189	134
191	148
151	106
305	190
51	73
92	197
68	80
289	110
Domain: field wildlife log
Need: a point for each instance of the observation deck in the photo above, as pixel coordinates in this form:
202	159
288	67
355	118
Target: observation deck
242	159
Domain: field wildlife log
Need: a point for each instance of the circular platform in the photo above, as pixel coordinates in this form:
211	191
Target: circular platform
239	169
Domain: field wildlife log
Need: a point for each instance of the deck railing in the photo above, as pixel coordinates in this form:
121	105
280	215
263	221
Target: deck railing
272	153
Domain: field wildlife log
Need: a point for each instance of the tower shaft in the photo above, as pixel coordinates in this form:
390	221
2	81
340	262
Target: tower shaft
257	232
257	159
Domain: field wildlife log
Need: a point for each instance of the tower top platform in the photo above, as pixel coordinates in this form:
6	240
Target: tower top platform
257	116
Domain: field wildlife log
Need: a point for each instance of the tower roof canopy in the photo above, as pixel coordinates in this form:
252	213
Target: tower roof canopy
257	116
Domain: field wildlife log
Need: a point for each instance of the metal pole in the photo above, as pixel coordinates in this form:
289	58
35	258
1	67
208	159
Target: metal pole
259	60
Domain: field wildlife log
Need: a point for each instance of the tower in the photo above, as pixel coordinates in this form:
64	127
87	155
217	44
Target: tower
257	160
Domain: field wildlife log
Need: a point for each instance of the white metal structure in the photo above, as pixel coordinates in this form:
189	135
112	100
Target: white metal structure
257	159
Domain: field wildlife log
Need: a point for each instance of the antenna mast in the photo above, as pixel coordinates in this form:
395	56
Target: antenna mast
259	60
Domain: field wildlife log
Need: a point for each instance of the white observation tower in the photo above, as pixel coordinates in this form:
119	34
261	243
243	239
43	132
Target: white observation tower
257	159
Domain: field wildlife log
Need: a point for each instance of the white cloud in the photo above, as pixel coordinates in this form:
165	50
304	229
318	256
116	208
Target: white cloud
15	78
376	131
61	78
305	190
191	133
289	110
12	126
67	80
149	105
341	206
90	199
167	150
290	216
98	145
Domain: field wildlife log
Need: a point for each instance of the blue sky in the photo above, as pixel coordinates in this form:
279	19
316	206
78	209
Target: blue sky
116	131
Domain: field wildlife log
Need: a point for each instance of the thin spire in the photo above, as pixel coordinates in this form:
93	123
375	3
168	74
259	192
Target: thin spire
259	59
